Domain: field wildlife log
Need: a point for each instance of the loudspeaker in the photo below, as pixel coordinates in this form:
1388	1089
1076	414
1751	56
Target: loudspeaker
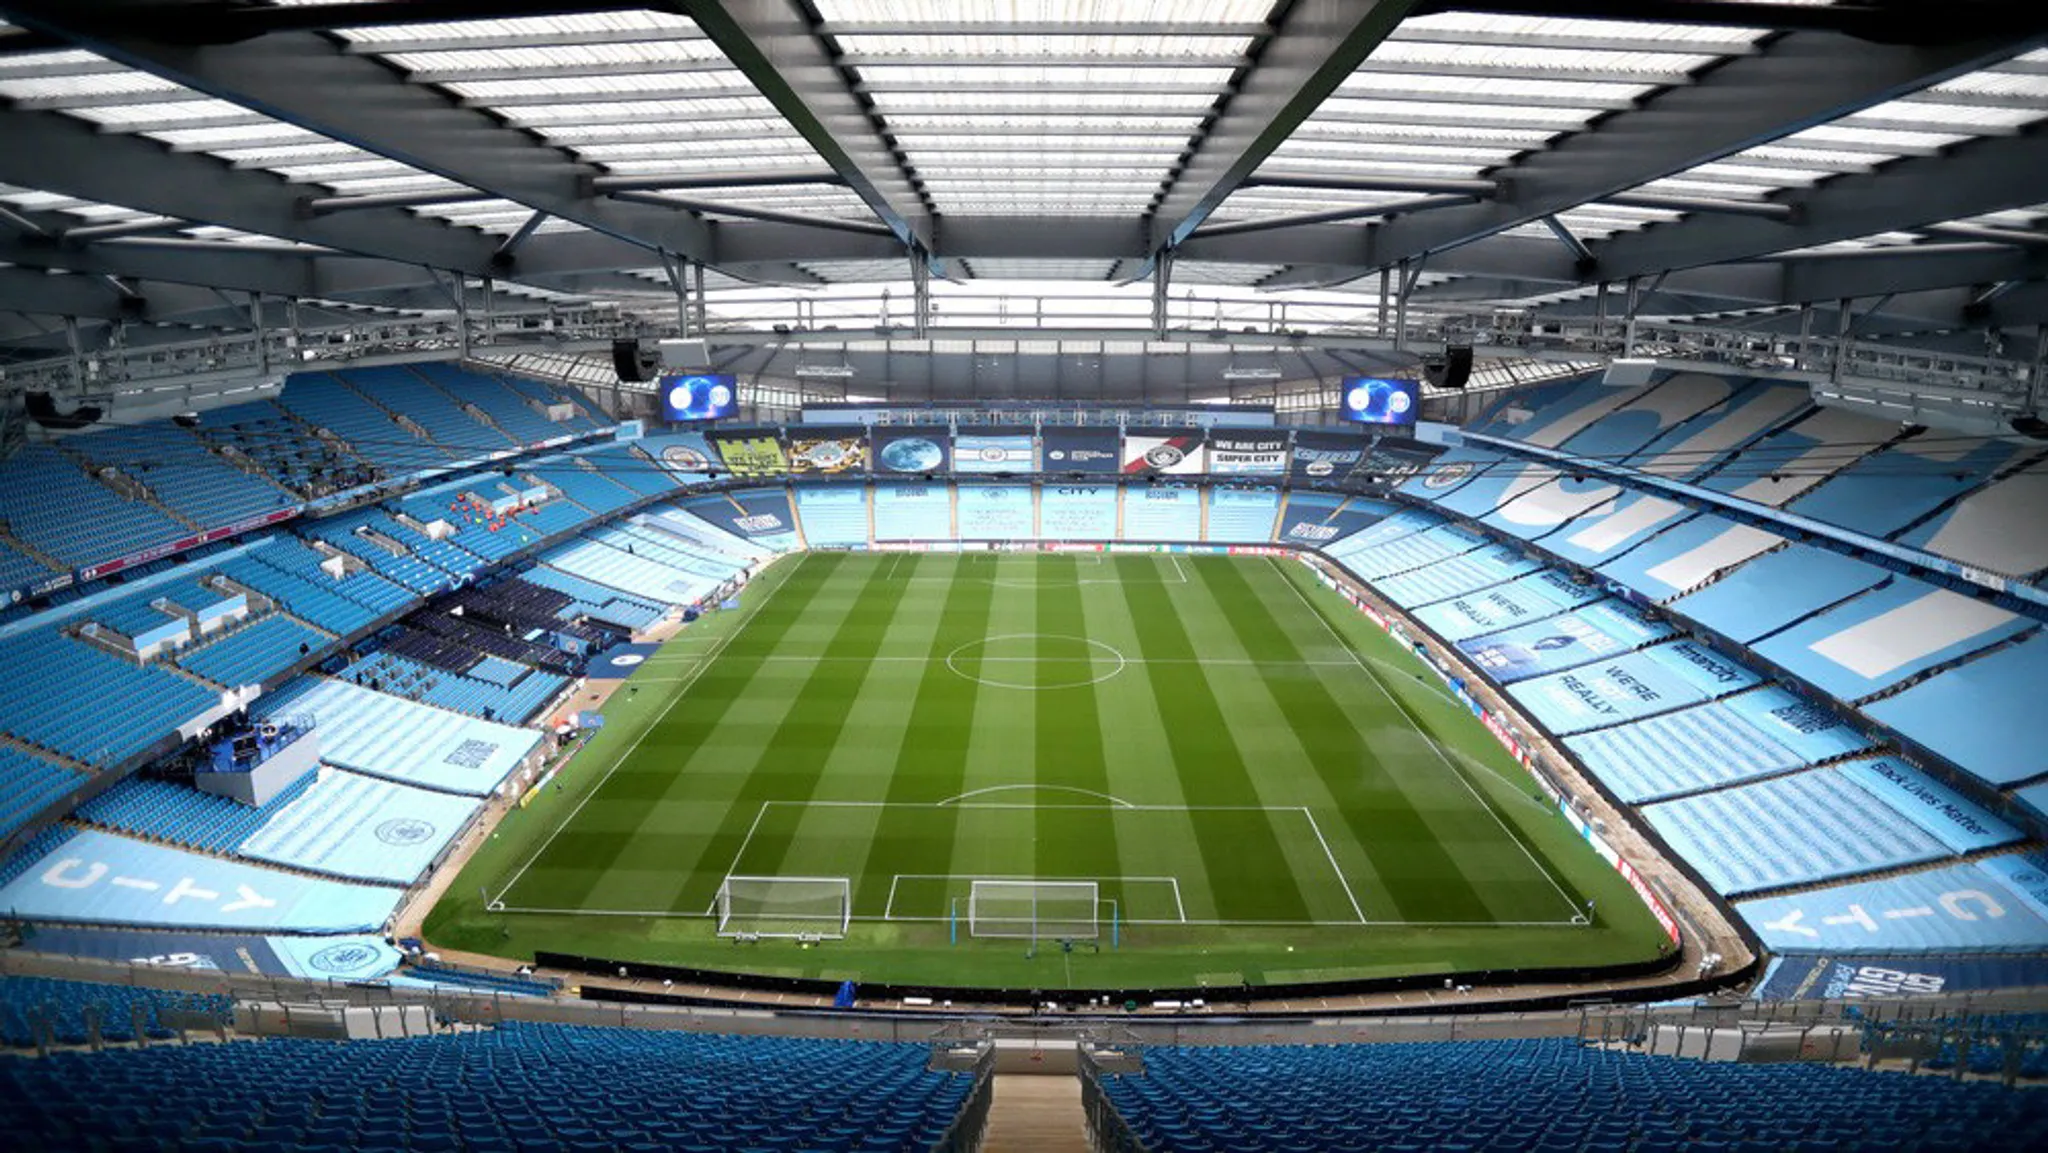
690	355
43	411
634	363
1623	373
1452	371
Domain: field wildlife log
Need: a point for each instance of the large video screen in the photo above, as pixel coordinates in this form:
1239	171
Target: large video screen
699	396
1379	400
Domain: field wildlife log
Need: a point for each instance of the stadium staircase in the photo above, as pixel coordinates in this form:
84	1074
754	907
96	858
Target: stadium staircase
1036	1113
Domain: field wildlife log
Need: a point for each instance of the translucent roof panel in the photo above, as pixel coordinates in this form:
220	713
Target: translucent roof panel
991	269
596	27
1190	12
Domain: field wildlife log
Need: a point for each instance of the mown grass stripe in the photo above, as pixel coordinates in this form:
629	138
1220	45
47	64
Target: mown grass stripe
1212	769
1069	749
931	763
1414	868
793	759
624	834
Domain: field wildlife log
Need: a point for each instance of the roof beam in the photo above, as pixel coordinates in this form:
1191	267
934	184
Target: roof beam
778	46
1315	44
1978	177
57	153
305	78
1797	81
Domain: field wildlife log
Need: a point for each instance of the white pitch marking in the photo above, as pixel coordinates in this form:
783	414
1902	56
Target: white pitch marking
1119	802
1332	857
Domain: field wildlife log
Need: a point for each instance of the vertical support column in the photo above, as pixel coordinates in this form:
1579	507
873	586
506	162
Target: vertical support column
490	308
462	310
1632	300
1162	280
920	293
697	294
262	337
1401	309
1842	323
1386	292
676	285
1805	335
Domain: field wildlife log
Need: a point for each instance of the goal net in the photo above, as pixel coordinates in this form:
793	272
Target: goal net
1058	910
784	907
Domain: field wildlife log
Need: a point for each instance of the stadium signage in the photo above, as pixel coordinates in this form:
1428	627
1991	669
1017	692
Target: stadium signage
158	552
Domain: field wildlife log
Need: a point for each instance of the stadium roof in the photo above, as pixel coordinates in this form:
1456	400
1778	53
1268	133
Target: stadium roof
160	160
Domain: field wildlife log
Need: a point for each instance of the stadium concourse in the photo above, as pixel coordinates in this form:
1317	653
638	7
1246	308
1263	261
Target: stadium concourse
1131	575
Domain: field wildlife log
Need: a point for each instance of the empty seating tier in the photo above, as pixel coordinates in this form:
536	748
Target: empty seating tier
511	1088
1549	1094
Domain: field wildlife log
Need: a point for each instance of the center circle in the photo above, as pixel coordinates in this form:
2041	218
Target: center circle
1035	661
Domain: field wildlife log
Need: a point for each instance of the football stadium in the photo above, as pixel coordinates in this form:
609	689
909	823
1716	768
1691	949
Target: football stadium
1134	576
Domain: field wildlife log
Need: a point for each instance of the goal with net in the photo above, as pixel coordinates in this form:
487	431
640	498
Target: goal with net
819	907
1034	910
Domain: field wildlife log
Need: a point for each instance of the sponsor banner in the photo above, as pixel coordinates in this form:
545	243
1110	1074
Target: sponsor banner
756	453
910	450
1234	453
1561	642
828	452
1903	975
1624	688
1175	455
994	512
622	661
100	878
1960	824
1089	450
684	452
2026	875
349	958
1326	455
158	552
1395	461
986	452
1957	909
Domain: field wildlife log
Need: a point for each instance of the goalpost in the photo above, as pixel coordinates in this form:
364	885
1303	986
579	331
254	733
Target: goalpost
810	907
1031	910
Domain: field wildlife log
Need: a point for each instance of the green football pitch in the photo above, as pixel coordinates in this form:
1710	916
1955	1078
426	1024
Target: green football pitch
1260	786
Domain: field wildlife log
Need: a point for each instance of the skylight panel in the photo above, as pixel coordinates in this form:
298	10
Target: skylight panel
1378	155
1959	118
1004	124
1653	67
1455	88
1026	102
997	45
577	135
1568	29
1192	12
1360	109
622	57
107	84
596	88
1022	269
1300	162
790	148
207	139
1738	173
138	117
709	162
565	27
604	112
1684	186
967	77
423	182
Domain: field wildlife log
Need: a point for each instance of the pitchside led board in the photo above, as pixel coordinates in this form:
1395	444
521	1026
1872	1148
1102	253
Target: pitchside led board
1377	400
698	396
